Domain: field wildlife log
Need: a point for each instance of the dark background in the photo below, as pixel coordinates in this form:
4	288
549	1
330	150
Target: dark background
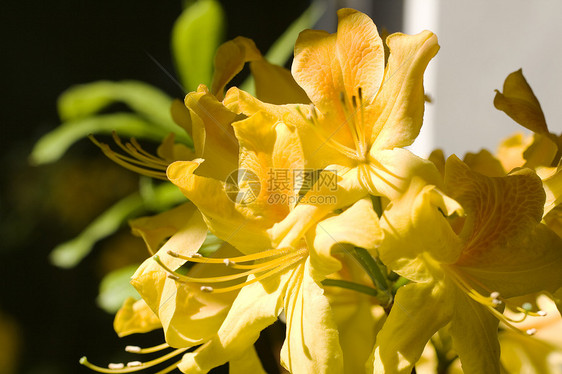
49	315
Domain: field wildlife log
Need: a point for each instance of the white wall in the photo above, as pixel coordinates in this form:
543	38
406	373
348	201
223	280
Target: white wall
482	41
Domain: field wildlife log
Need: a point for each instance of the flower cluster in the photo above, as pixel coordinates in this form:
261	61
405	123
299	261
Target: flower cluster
366	251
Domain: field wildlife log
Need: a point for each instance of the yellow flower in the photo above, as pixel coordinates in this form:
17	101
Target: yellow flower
188	315
364	110
272	279
463	269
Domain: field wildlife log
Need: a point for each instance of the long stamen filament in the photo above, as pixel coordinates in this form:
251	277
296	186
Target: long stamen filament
258	278
492	301
139	350
132	368
246	258
140	166
226	278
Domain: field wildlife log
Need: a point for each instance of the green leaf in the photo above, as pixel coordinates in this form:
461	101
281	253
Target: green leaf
51	146
283	47
88	99
70	253
115	288
196	35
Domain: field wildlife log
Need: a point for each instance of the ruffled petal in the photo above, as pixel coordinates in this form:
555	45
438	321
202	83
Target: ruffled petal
520	103
212	133
135	316
499	210
419	310
475	335
312	344
337	70
257	306
399	105
229	61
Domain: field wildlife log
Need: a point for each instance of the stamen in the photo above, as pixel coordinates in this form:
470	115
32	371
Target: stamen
116	366
256	269
228	262
492	301
137	163
135	365
532	331
206	289
139	350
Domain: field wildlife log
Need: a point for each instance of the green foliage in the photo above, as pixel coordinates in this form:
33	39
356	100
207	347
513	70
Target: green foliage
197	33
115	288
70	253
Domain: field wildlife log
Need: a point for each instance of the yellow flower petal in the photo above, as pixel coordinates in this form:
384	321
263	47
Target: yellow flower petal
135	316
218	209
357	226
247	362
389	172
484	163
155	229
514	206
475	335
417	235
400	102
256	307
275	84
312	344
229	61
510	151
212	133
318	203
520	103
419	311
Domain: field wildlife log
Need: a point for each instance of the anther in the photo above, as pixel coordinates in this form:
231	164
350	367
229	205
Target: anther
206	289
173	277
132	349
496	302
342	97
532	331
542	313
133	364
116	366
172	253
360	93
495	295
195	255
354	102
228	262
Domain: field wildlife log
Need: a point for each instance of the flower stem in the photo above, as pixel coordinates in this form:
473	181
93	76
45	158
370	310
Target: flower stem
373	270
